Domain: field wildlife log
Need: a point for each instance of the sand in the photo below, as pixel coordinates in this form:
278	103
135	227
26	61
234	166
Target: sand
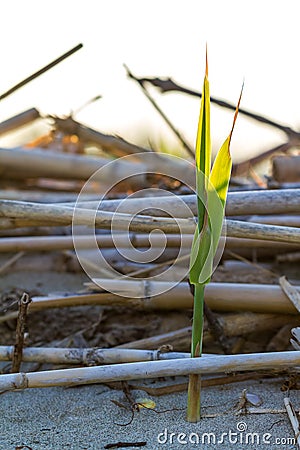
85	418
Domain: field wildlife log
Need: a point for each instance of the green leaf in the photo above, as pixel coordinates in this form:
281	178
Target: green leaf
203	151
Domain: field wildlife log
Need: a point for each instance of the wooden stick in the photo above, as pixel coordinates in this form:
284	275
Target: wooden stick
102	219
111	144
19	120
282	219
167	85
11	261
20	330
281	201
153	369
42	243
162	114
293	419
45	197
41	71
21	163
88	356
263	298
18	163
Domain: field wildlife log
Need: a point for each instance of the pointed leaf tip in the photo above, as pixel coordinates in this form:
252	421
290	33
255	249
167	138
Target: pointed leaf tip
206	62
236	110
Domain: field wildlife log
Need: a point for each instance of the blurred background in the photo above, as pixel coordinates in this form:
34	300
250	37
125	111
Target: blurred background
253	41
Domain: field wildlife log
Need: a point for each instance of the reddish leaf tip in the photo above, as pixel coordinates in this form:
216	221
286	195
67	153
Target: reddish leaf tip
237	109
206	61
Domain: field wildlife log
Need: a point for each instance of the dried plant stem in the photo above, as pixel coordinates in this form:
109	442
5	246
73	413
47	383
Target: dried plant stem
219	297
153	369
267	299
293	419
42	243
21	163
87	356
167	85
279	201
20	330
56	215
10	262
19	120
162	114
41	71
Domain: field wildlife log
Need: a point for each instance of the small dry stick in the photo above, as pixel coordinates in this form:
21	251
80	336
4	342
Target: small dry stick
11	261
293	419
125	444
41	71
20	329
166	119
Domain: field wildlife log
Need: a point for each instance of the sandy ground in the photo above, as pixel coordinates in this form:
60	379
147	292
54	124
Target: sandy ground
86	418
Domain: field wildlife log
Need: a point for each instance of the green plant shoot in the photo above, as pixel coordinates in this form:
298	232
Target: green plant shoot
211	186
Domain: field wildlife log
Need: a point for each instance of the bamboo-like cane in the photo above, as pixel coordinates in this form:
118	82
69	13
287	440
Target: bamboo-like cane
88	356
151	369
228	297
20	163
66	198
280	201
52	214
43	243
19	120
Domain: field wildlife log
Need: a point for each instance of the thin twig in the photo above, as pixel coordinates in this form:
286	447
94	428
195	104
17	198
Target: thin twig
20	330
41	71
11	261
168	85
163	115
293	419
126	444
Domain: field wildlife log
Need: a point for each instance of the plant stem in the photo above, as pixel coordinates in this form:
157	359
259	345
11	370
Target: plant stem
194	388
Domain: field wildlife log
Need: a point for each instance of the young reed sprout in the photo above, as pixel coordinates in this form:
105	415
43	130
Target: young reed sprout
211	186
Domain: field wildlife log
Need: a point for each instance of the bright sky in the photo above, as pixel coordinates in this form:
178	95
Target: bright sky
256	40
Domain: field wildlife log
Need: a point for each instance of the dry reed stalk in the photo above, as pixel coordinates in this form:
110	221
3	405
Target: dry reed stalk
20	163
281	201
153	342
228	297
150	369
103	219
283	219
10	262
42	243
88	356
41	71
15	122
113	145
45	197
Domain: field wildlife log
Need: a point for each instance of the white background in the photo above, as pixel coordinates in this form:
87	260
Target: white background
255	40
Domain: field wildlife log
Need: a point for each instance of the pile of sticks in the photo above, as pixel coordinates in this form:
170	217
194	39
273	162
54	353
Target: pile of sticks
40	184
